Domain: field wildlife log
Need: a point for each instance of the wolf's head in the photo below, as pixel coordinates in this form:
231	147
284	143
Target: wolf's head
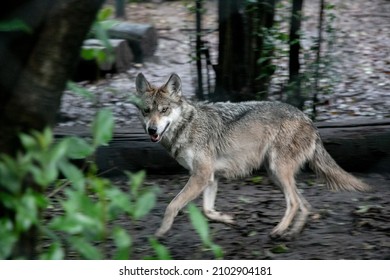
159	106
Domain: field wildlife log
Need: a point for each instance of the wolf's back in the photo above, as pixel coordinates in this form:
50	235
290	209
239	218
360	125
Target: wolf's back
336	177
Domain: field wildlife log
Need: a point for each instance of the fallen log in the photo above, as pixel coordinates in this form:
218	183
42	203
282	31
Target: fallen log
359	146
141	38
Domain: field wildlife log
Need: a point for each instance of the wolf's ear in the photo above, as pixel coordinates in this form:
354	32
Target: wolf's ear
141	84
173	86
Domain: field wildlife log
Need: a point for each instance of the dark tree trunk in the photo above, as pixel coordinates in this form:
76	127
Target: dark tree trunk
34	72
294	95
318	59
259	15
231	68
120	11
244	62
199	46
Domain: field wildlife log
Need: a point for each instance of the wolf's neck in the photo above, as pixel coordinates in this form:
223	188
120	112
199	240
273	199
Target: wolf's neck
177	135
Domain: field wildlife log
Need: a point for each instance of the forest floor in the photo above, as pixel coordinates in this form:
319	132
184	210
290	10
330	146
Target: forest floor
342	225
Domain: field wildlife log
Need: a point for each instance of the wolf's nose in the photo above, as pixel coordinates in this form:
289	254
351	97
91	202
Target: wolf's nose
152	130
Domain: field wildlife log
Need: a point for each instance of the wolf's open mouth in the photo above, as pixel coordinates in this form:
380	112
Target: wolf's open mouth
157	137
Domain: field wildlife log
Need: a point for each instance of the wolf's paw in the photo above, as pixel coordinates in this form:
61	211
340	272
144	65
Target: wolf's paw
219	216
159	234
285	236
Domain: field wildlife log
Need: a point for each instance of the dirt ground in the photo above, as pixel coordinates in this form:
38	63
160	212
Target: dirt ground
342	225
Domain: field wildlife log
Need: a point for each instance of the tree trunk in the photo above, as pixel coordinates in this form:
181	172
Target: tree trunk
318	59
34	72
120	11
231	68
244	63
198	47
260	16
294	95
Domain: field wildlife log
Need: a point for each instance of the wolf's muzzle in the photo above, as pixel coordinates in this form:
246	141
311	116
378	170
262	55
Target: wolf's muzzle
152	130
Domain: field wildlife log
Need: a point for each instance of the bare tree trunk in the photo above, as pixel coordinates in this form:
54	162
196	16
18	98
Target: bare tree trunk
260	16
244	62
34	72
199	46
294	96
318	59
120	11
231	68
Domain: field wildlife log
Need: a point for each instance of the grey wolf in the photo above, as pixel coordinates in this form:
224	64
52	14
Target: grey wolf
214	140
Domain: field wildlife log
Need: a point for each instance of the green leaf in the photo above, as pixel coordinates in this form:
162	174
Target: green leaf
79	90
59	151
45	138
101	56
102	127
50	173
87	54
109	23
28	142
86	249
78	148
38	175
73	174
281	248
87	221
162	253
55	252
105	13
123	243
201	226
199	222
217	250
144	204
102	34
14	25
257	179
119	201
66	224
11	174
26	212
8	238
135	180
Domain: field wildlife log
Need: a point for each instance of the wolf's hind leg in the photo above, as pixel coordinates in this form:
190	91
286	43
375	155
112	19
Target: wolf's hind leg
301	218
284	177
209	195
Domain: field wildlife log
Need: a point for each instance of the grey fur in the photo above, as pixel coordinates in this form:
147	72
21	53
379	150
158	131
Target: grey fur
231	140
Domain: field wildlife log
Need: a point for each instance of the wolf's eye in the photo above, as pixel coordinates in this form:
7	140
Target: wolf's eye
146	110
164	110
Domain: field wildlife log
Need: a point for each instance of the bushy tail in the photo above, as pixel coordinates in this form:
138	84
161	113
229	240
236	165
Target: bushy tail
336	177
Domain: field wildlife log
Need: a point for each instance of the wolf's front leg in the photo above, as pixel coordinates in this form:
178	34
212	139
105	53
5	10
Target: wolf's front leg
194	187
209	195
